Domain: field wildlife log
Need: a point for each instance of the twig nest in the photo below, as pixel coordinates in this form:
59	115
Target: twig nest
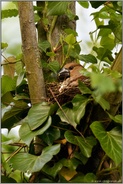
54	94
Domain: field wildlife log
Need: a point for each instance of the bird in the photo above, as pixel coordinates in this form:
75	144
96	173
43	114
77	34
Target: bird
69	75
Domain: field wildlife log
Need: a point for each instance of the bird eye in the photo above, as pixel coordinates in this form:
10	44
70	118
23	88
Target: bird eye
71	67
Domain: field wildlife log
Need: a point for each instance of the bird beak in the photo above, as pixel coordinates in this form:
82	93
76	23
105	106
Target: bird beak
63	74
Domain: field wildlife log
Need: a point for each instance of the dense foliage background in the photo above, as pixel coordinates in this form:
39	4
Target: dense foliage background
80	140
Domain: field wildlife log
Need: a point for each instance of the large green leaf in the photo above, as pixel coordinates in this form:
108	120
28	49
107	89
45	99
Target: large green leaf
73	115
85	144
38	114
79	106
88	58
102	82
108	42
26	134
27	162
8	84
54	66
57	8
67	115
111	141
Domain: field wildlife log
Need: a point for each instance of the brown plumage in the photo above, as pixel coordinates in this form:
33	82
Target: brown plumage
70	74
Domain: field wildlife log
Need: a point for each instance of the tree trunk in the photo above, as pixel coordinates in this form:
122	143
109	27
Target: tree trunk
31	53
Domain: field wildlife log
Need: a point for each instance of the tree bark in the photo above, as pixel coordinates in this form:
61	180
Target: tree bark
31	53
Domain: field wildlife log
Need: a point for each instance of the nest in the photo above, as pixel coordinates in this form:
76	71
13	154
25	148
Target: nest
53	94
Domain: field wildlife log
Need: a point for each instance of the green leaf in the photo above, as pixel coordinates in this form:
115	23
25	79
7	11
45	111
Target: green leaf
117	118
6	179
38	114
57	8
70	31
80	157
44	45
9	13
52	171
50	54
79	102
96	4
74	52
13	113
88	178
70	39
54	66
19	67
70	137
102	83
67	115
21	96
8	84
85	144
104	15
36	17
27	162
104	32
71	16
111	141
50	135
70	163
103	103
26	134
4	45
84	4
84	89
88	58
102	53
107	42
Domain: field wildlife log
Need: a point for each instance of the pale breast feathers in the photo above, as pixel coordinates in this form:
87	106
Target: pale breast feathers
70	74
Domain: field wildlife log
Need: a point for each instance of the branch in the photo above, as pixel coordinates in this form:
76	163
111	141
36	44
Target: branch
31	53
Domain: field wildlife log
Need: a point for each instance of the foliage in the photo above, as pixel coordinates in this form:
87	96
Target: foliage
71	141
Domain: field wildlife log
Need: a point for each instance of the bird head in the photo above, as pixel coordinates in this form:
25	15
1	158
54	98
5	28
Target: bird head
70	70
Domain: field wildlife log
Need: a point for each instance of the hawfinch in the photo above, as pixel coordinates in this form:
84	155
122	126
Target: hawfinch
70	74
